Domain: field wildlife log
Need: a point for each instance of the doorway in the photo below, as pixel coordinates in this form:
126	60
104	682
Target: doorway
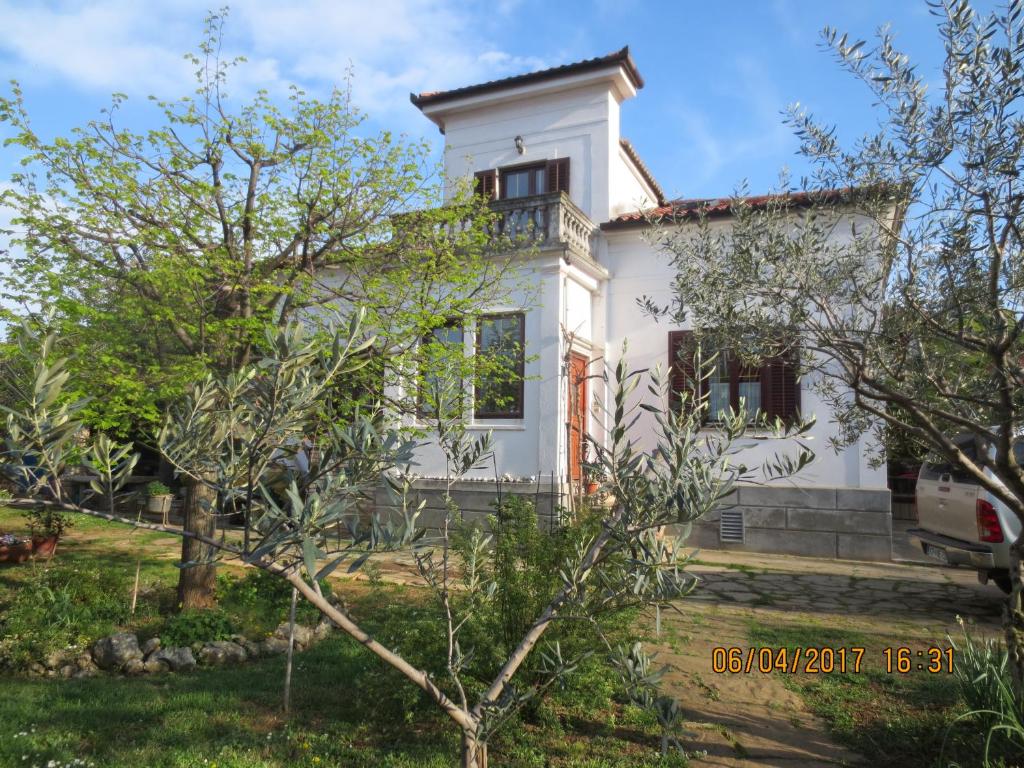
578	407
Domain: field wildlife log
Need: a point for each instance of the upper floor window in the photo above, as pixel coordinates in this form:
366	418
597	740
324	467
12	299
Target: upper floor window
500	350
441	385
516	181
770	388
523	181
498	368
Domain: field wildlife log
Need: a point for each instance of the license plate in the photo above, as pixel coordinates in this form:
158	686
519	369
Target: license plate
937	552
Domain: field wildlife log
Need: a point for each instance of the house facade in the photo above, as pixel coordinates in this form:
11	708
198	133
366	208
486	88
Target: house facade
546	147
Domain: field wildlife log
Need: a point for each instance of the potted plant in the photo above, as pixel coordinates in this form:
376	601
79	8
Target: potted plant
14	549
46	525
592	479
159	501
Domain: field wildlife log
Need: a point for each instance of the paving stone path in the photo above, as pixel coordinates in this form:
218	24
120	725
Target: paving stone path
843	587
813	585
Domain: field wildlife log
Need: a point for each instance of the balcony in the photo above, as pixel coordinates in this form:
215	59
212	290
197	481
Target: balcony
548	222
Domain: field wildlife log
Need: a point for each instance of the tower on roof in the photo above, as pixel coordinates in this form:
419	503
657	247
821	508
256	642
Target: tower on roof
554	129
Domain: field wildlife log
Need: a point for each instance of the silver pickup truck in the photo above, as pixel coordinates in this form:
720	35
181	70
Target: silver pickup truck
960	523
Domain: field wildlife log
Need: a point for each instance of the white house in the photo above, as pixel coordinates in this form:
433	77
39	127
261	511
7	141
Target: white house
546	146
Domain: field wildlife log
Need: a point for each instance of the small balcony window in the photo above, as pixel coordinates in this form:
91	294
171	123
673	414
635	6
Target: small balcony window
517	181
523	181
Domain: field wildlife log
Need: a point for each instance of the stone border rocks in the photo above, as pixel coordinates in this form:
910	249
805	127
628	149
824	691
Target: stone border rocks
120	653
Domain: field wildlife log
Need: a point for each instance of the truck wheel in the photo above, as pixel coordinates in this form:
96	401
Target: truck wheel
1002	580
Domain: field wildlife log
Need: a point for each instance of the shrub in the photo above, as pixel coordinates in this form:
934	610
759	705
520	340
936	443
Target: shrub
524	564
982	675
263	599
47	521
156	488
60	606
197	626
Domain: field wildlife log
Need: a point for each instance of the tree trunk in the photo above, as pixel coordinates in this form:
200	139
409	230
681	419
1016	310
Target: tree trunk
474	752
196	583
1013	623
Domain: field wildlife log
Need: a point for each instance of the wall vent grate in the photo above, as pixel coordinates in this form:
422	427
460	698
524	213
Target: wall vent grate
731	525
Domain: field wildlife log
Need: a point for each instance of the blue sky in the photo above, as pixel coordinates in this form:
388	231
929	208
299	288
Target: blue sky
717	74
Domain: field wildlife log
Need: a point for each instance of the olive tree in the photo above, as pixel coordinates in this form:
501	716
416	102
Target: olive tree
162	255
236	436
896	276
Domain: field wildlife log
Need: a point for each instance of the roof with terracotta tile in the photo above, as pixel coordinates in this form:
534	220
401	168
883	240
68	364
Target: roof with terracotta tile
621	57
719	207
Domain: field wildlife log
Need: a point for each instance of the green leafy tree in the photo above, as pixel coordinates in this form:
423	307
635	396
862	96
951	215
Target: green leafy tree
164	255
897	277
233	433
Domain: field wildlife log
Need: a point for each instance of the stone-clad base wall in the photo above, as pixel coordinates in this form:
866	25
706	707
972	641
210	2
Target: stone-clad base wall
476	500
846	523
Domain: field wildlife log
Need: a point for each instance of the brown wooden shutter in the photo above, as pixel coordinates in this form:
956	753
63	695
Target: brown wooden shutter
487	184
682	373
558	175
780	390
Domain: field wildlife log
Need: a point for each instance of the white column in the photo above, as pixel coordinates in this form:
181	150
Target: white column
550	400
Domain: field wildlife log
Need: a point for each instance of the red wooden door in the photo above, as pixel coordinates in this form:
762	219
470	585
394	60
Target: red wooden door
578	407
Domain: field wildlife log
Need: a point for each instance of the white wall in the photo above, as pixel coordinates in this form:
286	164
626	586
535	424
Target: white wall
638	270
578	317
629	191
530	446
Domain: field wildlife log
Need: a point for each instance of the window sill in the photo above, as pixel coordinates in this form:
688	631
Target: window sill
752	434
504	425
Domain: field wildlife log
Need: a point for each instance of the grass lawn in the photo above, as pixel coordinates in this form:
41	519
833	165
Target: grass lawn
348	709
231	718
897	720
92	542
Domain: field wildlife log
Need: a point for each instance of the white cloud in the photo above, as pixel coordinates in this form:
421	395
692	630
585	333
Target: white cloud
392	46
790	20
8	251
111	45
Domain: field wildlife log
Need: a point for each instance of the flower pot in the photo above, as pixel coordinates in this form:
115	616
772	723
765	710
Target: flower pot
16	553
159	505
593	487
44	546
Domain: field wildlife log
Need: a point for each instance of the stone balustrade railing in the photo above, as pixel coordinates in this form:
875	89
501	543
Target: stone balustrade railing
547	221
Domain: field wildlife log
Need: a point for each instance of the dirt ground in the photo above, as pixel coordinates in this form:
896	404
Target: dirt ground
753	719
743	719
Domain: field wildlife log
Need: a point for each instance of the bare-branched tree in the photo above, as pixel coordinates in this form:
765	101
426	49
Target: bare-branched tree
896	276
